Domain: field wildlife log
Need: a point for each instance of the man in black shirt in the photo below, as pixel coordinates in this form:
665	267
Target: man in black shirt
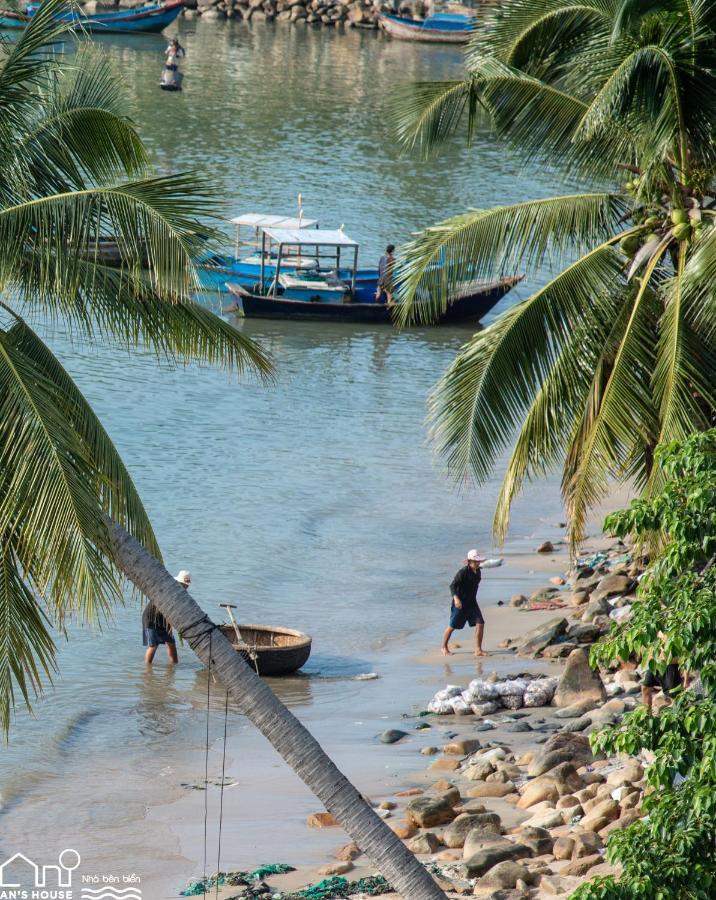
464	609
157	630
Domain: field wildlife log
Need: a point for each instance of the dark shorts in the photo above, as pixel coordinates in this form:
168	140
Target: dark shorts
468	615
153	637
667	680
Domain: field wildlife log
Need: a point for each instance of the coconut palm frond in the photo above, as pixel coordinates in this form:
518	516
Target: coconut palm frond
45	242
81	133
504	239
49	491
684	378
484	395
117	494
27	650
621	404
554	416
428	113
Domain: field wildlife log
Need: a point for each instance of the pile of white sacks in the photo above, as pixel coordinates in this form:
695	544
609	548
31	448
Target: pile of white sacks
482	698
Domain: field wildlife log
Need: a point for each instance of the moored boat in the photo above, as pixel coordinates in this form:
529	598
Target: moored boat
441	28
270	649
153	17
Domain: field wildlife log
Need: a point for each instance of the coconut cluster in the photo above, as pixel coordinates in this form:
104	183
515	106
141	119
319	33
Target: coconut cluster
658	220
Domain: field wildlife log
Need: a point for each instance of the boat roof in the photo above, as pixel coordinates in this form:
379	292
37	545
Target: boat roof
258	220
314	237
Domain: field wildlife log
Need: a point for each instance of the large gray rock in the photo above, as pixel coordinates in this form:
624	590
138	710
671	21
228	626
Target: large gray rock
424	844
579	682
458	830
481	838
426	812
561	748
597	606
611	585
584	633
505	875
538	638
484	860
539	840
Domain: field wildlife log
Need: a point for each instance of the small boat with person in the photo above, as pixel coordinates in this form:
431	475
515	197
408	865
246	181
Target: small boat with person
440	28
150	18
333	292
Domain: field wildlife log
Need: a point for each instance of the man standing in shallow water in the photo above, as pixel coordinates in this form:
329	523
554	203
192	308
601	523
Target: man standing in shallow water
464	609
156	628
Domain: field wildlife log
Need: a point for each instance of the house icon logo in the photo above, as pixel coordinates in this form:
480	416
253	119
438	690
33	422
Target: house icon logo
59	875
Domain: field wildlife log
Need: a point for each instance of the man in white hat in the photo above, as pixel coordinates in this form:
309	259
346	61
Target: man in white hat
156	628
464	609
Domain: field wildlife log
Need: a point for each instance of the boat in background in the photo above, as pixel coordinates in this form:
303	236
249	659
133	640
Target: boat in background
333	293
440	28
151	18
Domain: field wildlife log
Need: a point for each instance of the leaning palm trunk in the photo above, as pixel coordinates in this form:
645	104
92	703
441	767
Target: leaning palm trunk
294	742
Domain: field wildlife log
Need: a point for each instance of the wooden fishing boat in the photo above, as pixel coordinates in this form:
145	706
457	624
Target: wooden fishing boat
271	649
151	18
442	28
334	293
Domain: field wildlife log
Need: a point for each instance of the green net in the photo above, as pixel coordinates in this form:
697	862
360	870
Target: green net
337	886
235	879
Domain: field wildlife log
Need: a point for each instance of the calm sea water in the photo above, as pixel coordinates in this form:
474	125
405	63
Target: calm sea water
314	502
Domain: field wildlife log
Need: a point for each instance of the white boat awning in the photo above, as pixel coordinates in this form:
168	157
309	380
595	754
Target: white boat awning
257	220
315	237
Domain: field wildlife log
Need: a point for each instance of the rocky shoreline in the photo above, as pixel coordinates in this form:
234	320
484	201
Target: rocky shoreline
514	804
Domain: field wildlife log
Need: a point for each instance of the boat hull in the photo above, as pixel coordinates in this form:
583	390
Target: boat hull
152	18
409	30
470	306
272	650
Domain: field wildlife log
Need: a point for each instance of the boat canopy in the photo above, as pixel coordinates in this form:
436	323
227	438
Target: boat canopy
257	220
316	237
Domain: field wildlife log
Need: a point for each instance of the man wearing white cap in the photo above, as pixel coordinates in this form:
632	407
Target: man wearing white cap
464	609
156	628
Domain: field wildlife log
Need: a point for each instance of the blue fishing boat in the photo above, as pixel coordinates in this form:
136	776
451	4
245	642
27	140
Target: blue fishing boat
333	293
153	17
441	28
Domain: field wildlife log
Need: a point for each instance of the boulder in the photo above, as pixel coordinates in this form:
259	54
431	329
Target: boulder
424	844
550	818
579	682
581	866
336	868
462	748
403	830
492	789
538	638
321	820
600	815
633	771
425	812
392	736
536	792
563	777
559	650
552	885
563	847
611	585
480	838
559	748
596	607
584	633
546	547
586	843
484	860
576	710
504	875
539	840
446	764
457	831
479	771
348	852
578	597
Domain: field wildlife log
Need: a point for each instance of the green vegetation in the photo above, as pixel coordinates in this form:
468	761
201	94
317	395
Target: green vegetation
615	354
73	171
672	853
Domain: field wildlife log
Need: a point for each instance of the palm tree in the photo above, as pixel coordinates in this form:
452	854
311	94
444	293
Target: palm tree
615	354
72	526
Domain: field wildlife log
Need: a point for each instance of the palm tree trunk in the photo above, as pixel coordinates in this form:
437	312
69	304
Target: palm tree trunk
292	740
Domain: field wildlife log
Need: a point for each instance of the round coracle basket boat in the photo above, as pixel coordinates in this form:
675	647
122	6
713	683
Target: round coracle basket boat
270	649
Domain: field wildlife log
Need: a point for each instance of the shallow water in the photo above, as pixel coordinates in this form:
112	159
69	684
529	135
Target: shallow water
312	503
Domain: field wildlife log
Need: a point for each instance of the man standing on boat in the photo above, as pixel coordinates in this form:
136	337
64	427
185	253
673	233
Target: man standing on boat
464	609
156	628
385	276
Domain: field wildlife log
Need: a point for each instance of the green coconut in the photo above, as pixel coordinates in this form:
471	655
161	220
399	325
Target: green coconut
653	222
630	244
679	217
682	232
